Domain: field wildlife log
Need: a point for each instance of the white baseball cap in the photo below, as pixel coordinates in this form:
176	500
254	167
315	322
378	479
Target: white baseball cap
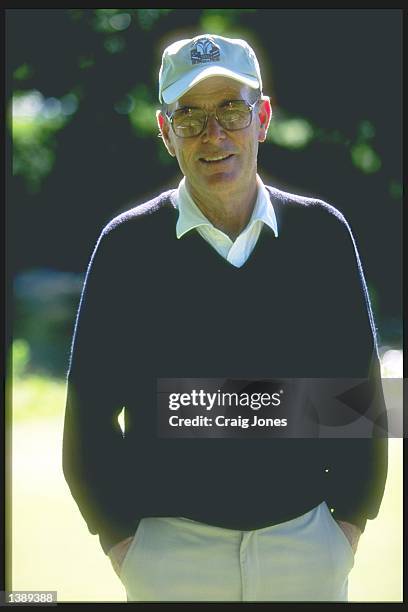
187	62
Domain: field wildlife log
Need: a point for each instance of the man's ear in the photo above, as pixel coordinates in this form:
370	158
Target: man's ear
164	128
264	114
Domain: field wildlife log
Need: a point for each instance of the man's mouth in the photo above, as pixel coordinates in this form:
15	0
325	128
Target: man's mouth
214	159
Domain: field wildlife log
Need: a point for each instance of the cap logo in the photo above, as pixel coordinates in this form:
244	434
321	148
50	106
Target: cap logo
205	50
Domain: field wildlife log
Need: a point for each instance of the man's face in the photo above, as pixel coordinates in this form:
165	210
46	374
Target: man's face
229	175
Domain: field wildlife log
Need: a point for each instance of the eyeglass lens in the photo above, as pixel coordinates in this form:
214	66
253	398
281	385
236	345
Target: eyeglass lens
235	115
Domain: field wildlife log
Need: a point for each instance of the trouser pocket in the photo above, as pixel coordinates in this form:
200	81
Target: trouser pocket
130	551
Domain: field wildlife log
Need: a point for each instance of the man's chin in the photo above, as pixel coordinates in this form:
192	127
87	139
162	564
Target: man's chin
220	180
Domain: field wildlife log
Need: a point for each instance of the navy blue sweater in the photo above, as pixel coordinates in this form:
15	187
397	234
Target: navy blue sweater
154	306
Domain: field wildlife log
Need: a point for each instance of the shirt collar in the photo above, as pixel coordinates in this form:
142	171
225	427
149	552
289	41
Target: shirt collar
190	216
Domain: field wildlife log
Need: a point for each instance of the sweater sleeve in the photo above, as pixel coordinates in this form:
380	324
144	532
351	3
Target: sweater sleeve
357	467
93	445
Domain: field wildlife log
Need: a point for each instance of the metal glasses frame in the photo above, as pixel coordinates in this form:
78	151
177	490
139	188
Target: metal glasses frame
249	106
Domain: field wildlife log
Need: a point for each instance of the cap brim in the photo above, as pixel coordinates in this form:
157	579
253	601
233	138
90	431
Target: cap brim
176	90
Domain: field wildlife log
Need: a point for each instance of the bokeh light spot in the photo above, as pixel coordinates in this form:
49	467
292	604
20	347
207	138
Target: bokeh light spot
27	104
395	190
293	133
366	130
114	44
365	158
23	72
125	106
121	21
85	62
51	108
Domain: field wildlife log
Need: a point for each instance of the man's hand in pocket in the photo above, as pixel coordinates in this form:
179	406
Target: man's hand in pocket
352	533
118	552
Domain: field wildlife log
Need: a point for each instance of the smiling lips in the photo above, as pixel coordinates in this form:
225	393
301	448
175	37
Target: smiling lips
211	159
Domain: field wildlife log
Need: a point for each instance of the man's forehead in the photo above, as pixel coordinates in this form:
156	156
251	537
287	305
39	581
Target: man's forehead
212	90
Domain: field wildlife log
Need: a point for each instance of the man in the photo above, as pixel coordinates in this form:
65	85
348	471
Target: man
221	277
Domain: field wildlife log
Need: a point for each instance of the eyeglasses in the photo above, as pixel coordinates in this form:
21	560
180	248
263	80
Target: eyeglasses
191	121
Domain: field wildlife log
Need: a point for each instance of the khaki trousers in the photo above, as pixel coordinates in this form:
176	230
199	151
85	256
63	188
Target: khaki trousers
176	559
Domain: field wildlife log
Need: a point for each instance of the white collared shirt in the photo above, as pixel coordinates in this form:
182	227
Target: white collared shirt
235	252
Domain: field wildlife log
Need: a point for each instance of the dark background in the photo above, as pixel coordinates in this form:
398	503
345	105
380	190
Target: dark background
91	150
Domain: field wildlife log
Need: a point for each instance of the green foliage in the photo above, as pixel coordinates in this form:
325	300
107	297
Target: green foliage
290	132
297	133
365	158
23	72
114	43
86	61
142	113
112	33
34	122
148	17
114	20
104	19
363	155
395	189
33	396
366	130
220	21
37	397
20	357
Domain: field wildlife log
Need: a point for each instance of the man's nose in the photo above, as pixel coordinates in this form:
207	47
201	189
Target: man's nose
213	129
